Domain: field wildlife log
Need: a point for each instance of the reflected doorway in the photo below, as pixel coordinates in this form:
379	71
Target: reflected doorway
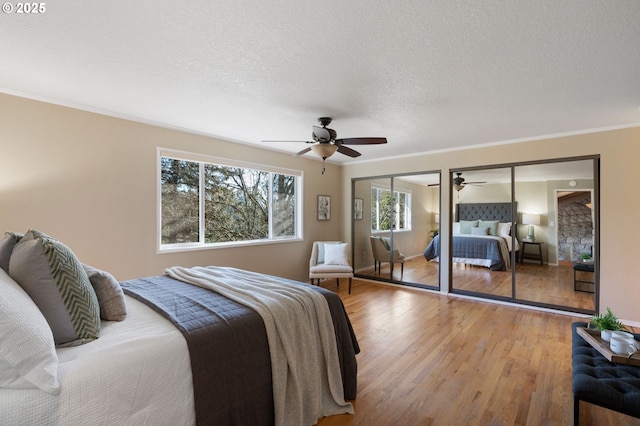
553	233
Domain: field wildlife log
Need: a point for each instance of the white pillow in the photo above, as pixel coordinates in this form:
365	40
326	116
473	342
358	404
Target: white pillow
456	228
504	229
336	254
28	359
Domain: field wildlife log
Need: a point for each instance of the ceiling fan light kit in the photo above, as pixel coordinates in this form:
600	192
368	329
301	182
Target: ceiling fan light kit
324	150
459	182
325	142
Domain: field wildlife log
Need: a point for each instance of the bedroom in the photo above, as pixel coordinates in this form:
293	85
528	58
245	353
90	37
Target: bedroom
489	190
90	179
87	147
80	200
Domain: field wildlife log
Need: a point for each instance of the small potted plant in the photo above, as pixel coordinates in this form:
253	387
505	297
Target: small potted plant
586	258
606	324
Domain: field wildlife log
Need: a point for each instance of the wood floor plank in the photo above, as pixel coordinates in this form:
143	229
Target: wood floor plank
535	283
430	359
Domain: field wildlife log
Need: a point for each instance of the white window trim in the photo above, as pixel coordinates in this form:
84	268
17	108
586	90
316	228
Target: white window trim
396	219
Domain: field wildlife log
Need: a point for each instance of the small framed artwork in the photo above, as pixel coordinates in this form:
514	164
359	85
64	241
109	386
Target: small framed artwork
357	208
324	207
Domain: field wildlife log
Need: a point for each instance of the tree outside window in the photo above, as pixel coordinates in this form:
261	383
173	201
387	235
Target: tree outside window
206	203
390	210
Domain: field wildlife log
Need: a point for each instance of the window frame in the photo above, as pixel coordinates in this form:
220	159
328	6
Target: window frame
396	218
201	159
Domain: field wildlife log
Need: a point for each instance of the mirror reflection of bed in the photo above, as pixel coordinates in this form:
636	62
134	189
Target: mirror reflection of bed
481	236
535	189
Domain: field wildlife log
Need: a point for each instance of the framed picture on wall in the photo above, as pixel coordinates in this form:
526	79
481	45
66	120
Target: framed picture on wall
357	208
324	207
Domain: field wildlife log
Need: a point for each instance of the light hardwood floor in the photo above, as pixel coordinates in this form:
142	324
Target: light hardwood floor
534	282
429	359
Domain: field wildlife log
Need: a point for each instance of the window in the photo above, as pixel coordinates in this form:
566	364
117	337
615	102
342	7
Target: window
389	212
205	202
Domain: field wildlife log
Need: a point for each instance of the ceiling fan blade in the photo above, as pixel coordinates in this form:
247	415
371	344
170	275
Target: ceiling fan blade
361	141
322	134
304	151
474	183
433	184
289	141
348	151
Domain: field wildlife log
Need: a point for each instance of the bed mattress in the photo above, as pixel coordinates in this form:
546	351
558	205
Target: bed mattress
153	383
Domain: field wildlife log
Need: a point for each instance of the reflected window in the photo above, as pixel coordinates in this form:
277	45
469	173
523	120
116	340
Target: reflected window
390	211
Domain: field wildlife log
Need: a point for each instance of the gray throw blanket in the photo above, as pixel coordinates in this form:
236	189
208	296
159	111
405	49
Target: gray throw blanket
306	376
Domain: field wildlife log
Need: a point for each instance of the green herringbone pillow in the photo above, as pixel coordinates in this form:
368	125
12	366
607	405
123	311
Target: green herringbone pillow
51	274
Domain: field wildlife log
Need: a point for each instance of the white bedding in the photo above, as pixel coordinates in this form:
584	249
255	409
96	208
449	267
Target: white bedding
137	373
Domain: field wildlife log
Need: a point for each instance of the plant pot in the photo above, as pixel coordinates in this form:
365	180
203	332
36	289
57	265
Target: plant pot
605	335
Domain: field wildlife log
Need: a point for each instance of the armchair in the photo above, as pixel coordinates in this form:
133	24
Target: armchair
330	259
382	252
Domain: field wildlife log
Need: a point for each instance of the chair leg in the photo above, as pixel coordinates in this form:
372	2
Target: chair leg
349	285
338	282
576	411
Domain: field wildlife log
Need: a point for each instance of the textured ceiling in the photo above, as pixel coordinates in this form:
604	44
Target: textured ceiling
428	75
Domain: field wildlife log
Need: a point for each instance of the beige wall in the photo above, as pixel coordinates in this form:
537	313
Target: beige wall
410	243
90	181
619	152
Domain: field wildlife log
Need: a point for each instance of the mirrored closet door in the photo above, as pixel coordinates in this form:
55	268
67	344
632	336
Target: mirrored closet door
482	218
556	213
528	233
395	218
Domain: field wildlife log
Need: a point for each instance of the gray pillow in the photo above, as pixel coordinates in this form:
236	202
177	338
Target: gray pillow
51	274
386	241
466	225
7	243
491	224
480	231
109	293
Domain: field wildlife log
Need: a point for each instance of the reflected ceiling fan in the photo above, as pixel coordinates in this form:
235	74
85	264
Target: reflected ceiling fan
459	182
325	142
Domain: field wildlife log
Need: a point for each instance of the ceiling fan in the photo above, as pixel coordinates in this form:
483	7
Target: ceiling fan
325	142
459	182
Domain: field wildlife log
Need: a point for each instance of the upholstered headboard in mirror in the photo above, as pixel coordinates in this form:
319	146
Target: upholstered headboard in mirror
484	211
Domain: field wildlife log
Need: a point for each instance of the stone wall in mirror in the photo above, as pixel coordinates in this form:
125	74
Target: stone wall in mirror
395	218
553	226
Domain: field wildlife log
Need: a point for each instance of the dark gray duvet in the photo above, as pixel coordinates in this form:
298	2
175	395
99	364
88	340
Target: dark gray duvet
228	348
470	248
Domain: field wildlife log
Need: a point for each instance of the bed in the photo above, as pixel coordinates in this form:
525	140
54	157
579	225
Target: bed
481	236
195	346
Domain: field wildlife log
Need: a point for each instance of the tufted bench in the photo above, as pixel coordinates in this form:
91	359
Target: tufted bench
600	382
